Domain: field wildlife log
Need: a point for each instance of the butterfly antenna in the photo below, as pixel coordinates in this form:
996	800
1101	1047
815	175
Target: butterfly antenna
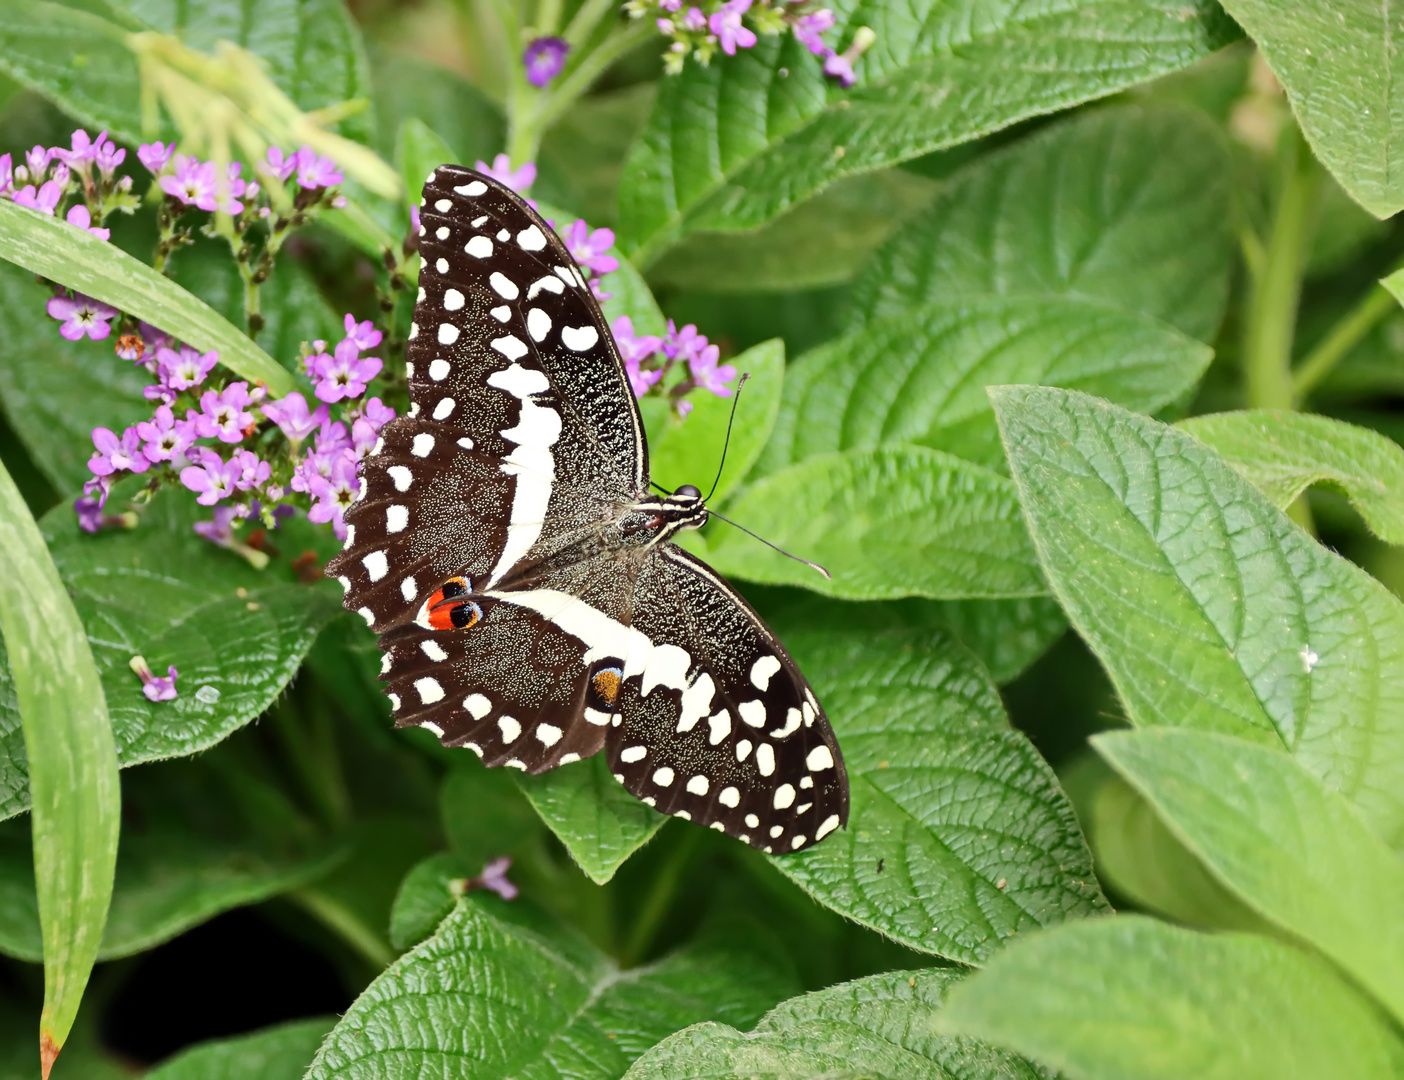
777	547
736	400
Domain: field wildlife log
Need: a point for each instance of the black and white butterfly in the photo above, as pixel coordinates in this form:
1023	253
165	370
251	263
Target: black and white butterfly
507	550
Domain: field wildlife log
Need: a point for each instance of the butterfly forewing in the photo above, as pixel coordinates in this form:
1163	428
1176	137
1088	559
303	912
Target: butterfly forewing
498	550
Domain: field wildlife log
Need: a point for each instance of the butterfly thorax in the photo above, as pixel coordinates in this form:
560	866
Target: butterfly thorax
653	521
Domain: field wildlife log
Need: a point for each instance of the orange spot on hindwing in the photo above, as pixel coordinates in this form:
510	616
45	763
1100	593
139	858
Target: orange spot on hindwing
607	682
451	609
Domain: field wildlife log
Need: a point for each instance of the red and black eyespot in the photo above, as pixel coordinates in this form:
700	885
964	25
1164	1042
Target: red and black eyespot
449	608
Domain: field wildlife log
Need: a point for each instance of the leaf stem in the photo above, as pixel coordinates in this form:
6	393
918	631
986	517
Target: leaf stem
1344	336
349	926
660	898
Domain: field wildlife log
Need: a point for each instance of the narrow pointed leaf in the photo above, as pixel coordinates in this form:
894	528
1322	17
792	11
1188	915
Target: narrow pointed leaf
1284	453
73	257
1130	997
1295	851
1207	606
72	763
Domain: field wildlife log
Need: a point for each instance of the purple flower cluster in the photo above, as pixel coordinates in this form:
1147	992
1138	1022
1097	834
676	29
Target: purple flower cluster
190	182
699	30
544	59
649	360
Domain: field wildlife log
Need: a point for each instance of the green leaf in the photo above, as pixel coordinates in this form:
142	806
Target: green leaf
1007	635
497	992
1141	217
311	49
426	898
193	847
64	253
72	766
1298	853
599	822
921	378
732	145
818	243
878	1028
274	1053
1208	608
958	834
1284	453
888	522
415	87
237	635
1134	998
419	150
1395	284
688	451
1337	64
77	60
1138	857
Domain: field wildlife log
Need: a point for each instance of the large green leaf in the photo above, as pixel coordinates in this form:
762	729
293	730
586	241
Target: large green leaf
63	253
275	1053
497	992
1134	999
1206	605
887	522
67	739
1284	453
1297	852
1128	206
921	378
878	1028
236	634
731	145
959	835
1338	64
200	837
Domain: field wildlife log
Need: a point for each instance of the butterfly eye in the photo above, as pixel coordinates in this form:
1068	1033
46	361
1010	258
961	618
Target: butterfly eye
689	492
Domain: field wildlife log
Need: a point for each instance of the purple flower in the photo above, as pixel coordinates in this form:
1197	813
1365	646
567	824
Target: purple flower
808	28
363	437
345	374
415	226
248	469
706	373
101	486
79	216
588	247
364	334
280	165
634	347
7	174
544	59
291	415
192	183
155	156
377	413
117	455
154	687
334	493
36	161
82	316
670	5
211	476
726	24
83	151
107	157
640	381
44	200
89	513
219	529
686	342
186	369
839	66
694	19
165	437
224	416
501	171
316	172
494	878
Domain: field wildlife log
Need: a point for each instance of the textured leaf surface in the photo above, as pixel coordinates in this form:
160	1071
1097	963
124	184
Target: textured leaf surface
161	592
1296	852
425	898
959	835
1129	206
731	145
197	840
921	378
887	522
1131	997
275	1053
1208	608
67	254
1284	453
599	822
1340	65
488	997
67	738
878	1028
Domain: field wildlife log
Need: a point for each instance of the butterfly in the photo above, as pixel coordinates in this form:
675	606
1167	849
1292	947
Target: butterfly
520	574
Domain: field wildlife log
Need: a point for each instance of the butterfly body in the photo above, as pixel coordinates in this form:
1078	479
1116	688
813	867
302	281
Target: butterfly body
530	603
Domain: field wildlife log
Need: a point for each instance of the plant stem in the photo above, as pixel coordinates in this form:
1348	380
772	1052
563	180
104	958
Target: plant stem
1344	336
349	926
659	898
1277	289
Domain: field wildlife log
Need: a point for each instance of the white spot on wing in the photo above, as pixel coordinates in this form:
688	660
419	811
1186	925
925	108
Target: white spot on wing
429	690
444	409
538	324
439	369
472	190
441	233
409	590
503	286
819	758
550	284
444	205
448	333
765	759
477	705
433	650
663	777
784	797
396	518
480	247
792	723
720	726
698	785
510	347
830	824
579	338
548	734
367	614
453	300
530	239
502	313
631	754
753	712
762	670
510	727
377	566
422	445
729	796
